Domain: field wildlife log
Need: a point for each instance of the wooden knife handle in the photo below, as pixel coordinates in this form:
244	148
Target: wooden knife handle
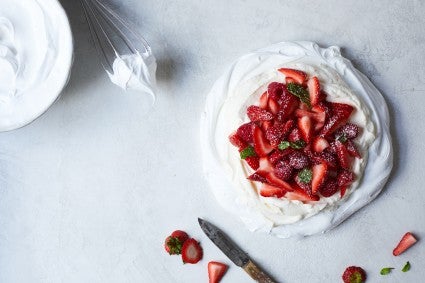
256	273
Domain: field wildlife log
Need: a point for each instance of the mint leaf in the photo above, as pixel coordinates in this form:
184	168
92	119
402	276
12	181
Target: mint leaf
305	175
299	92
386	270
298	144
284	145
406	267
247	152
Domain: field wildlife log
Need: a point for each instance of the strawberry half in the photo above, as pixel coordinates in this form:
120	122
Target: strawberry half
320	144
253	162
304	124
236	140
245	132
319	175
216	271
313	86
354	274
298	76
191	251
406	242
264	98
271	191
342	154
261	145
173	243
255	113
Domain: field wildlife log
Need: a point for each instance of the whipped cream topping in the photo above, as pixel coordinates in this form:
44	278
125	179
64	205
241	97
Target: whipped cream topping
226	110
134	72
35	42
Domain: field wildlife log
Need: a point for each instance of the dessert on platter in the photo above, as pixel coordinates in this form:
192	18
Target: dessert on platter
295	139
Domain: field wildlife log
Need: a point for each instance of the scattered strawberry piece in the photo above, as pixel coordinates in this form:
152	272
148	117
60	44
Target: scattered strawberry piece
295	135
237	141
271	191
255	113
273	106
319	175
342	154
320	144
329	188
264	98
261	145
354	274
253	162
406	242
314	90
257	177
191	251
298	76
298	160
299	194
245	132
352	149
173	243
349	131
216	270
304	124
283	170
345	178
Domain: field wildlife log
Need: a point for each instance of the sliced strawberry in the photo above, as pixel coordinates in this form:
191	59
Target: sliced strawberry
345	178
306	187
265	165
264	98
271	191
317	116
278	155
343	191
276	181
298	160
253	162
313	86
406	242
216	271
298	76
328	157
305	126
273	106
320	172
295	135
288	104
349	131
319	144
342	154
323	106
255	113
275	90
341	112
341	109
265	125
237	141
261	145
329	188
352	149
191	251
299	194
245	132
257	177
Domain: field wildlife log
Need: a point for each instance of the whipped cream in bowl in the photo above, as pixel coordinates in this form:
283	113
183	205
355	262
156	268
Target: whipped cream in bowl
225	111
35	59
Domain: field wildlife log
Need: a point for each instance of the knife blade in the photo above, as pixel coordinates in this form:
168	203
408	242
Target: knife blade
233	252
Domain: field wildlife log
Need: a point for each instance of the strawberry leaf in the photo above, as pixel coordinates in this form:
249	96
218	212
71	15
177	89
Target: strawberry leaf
406	267
299	92
386	270
247	152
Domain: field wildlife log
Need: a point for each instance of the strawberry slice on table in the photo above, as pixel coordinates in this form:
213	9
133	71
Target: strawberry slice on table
406	242
305	126
342	154
272	191
191	251
301	195
313	86
216	271
298	76
320	172
320	144
261	145
264	98
255	113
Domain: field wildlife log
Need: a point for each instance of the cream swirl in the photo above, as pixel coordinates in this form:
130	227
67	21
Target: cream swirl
225	110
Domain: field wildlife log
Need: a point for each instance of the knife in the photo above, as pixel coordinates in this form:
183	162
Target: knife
233	252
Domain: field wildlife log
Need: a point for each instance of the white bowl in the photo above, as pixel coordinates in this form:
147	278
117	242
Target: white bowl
22	109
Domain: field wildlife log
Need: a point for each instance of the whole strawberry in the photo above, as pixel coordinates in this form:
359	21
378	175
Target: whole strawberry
174	243
354	274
